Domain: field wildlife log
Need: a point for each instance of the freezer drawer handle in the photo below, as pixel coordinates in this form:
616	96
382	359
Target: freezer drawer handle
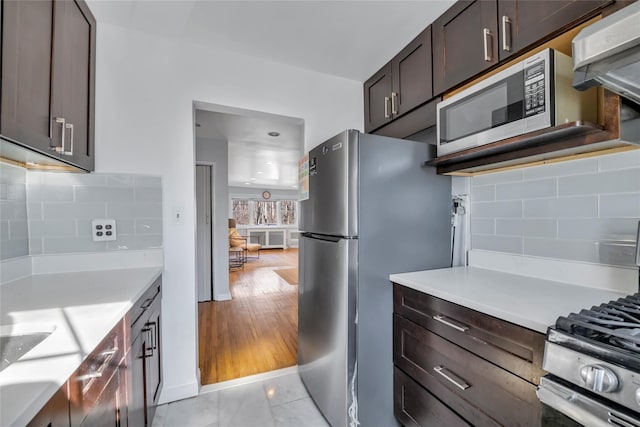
451	377
451	323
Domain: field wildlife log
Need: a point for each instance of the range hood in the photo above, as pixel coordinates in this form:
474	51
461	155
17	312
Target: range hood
607	53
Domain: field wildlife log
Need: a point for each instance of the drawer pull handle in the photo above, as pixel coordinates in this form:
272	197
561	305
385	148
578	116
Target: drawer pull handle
451	377
451	323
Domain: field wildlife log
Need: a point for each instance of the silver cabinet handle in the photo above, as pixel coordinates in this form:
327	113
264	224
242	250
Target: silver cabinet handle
451	377
386	108
394	107
486	34
70	152
506	35
451	323
63	122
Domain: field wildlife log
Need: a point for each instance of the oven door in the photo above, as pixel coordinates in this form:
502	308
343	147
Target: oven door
562	400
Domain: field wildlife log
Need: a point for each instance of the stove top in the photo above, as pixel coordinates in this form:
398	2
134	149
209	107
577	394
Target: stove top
610	331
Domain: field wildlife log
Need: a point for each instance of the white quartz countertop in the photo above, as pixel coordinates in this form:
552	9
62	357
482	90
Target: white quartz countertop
526	301
79	309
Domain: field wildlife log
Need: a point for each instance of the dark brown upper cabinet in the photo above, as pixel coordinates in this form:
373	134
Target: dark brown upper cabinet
524	22
401	85
465	42
48	78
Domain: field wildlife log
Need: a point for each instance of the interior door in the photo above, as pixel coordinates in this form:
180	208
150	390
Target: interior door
203	229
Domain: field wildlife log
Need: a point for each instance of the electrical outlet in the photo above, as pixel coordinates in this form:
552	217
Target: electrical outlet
103	230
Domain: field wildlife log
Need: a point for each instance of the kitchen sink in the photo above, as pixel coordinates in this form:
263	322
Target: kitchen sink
17	340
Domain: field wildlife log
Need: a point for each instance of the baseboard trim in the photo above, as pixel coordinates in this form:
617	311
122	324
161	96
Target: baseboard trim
226	296
248	380
179	392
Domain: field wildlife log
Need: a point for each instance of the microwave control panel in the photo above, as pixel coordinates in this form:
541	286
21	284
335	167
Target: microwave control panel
534	89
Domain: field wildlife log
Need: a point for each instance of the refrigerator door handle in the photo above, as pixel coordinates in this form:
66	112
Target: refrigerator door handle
323	237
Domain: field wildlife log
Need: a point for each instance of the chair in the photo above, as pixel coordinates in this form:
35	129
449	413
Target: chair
236	240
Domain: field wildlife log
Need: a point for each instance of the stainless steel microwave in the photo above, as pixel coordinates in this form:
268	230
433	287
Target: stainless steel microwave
533	94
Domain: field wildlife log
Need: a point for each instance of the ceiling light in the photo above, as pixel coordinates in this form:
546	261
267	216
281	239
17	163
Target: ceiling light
268	163
247	183
259	172
273	133
253	179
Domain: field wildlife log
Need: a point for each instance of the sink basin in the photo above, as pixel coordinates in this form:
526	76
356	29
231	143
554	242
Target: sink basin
17	340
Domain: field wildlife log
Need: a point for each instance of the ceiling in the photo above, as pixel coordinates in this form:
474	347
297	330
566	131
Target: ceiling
255	158
350	39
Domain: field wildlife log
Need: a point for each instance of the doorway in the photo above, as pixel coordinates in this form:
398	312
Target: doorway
248	311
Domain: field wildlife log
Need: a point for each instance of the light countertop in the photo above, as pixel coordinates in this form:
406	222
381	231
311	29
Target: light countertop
526	301
80	308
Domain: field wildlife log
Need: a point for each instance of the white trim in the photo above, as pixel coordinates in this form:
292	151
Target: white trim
224	296
598	276
184	391
212	166
248	380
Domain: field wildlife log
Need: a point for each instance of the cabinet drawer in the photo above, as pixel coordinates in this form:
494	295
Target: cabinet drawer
512	347
144	302
415	407
463	381
90	379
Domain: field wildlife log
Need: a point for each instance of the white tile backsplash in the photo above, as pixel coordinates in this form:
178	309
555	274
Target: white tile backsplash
13	212
61	223
621	181
597	201
526	189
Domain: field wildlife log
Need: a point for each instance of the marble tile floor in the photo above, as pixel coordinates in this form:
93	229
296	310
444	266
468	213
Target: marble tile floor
280	401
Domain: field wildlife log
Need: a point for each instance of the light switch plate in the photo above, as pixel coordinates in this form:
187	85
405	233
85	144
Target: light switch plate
103	230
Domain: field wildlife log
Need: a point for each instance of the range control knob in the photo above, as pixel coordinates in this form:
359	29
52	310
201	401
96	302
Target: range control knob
599	378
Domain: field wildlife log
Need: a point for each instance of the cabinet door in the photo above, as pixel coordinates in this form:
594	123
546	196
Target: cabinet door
377	99
55	413
412	75
524	22
26	71
136	389
106	411
153	363
465	42
72	86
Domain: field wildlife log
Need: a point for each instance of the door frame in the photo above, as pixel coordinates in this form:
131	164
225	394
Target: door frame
212	221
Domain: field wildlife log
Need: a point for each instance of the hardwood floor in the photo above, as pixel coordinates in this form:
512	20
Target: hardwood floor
257	330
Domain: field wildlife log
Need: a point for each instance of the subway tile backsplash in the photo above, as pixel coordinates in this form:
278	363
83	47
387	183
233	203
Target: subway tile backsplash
14	237
61	207
583	210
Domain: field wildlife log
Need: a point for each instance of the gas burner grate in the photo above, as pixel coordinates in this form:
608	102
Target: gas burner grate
616	323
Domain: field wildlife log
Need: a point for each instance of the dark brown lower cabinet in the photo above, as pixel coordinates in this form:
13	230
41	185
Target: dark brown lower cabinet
414	406
119	383
55	413
456	366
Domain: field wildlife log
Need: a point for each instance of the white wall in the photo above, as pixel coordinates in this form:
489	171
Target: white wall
145	88
213	151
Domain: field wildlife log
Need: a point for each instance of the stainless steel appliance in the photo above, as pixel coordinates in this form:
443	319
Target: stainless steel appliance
593	360
530	95
372	210
607	53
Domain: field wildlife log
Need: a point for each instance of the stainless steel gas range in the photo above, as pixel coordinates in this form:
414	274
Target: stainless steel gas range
593	360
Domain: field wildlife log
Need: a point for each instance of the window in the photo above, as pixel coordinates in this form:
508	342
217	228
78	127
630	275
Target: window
265	213
288	212
240	211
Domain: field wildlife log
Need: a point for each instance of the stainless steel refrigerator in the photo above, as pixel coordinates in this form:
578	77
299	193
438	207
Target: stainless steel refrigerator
373	209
